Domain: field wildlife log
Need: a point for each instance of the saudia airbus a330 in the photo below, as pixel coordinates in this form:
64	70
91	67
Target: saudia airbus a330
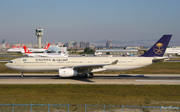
71	66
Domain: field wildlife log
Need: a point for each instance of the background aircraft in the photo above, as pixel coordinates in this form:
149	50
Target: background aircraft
21	49
175	51
38	50
15	49
30	54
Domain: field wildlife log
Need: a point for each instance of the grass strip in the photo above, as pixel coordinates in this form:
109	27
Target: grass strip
11	54
142	95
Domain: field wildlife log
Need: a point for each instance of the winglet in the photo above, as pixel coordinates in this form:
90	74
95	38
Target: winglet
159	47
114	62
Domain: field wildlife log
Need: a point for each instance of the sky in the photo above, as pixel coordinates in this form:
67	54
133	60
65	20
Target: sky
89	20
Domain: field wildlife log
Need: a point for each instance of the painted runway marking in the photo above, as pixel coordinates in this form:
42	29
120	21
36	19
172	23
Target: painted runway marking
161	80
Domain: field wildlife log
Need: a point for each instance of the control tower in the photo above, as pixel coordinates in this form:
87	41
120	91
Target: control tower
39	33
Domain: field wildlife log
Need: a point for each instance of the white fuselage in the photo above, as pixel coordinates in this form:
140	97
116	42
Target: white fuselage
46	55
15	50
39	50
35	50
173	51
54	64
21	50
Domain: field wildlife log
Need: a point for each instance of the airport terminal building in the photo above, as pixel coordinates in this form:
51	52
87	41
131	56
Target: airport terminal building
118	52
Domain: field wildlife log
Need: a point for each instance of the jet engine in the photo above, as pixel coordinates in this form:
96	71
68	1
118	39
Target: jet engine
67	72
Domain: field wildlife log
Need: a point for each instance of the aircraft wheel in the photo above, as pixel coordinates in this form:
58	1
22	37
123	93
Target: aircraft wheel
90	75
22	75
86	75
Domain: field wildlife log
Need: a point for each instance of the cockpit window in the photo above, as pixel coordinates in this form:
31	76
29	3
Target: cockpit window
10	61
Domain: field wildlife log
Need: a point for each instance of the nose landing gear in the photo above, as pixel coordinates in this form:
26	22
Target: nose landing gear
22	75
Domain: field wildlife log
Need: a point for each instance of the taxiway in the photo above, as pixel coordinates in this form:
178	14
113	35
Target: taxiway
119	79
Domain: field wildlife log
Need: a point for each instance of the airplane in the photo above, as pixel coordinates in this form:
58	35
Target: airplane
170	51
38	50
21	50
30	54
71	66
15	49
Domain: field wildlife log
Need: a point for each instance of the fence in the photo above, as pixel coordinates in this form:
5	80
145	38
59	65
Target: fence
83	108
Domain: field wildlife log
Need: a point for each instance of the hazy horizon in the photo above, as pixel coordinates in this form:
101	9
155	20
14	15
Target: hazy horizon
89	21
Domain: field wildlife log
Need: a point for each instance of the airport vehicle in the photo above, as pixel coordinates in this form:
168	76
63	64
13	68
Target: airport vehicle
30	54
175	51
71	66
127	53
97	53
38	50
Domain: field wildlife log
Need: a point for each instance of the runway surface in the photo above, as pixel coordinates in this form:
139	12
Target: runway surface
120	79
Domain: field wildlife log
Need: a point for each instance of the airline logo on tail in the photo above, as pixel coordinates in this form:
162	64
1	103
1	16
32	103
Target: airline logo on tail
26	50
158	49
47	46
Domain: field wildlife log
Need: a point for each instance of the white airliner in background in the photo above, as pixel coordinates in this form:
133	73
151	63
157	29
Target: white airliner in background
71	66
15	49
175	51
38	50
30	54
21	49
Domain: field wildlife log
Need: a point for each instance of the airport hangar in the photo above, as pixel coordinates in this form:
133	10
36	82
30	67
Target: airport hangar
118	52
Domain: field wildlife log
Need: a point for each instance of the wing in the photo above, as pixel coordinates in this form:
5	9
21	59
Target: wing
90	66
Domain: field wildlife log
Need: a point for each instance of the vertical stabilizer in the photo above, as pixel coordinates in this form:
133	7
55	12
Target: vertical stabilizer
47	46
26	50
159	47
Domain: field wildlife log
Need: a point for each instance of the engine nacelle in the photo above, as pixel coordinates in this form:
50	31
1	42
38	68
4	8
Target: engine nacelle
67	72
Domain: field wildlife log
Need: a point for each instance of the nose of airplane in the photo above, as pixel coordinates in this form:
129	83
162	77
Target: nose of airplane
7	65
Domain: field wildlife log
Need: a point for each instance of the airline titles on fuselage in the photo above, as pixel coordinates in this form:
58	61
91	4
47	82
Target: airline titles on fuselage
39	60
48	59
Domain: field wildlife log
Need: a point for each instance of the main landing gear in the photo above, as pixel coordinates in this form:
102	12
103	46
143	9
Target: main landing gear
22	75
89	75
